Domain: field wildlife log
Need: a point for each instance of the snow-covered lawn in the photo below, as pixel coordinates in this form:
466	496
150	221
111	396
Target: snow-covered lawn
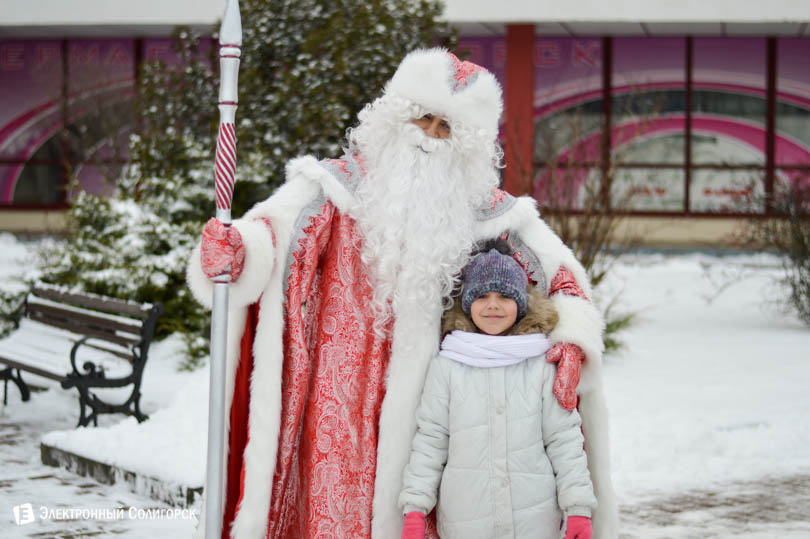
709	414
709	402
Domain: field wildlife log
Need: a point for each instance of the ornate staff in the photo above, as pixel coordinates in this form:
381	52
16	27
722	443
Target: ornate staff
230	43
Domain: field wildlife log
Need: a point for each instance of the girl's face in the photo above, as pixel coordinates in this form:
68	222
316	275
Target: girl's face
493	313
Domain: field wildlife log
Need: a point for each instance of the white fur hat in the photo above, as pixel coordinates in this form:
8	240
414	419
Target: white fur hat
442	84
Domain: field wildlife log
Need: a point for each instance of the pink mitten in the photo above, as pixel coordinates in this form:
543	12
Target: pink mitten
569	358
221	248
578	528
414	526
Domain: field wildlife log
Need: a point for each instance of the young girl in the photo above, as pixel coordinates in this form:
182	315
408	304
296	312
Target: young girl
492	442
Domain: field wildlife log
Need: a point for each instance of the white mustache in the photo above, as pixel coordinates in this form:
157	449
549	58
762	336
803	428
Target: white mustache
414	135
430	144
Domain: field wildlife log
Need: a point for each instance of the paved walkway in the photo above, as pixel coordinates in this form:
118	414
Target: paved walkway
74	506
767	508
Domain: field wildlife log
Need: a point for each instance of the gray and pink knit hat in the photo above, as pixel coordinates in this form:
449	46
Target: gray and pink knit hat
494	272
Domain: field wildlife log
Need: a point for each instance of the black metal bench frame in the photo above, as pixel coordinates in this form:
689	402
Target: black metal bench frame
75	313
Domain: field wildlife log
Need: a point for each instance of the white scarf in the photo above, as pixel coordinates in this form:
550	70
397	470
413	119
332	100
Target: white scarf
480	350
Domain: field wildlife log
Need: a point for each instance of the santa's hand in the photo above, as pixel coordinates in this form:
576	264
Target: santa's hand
569	358
221	250
414	526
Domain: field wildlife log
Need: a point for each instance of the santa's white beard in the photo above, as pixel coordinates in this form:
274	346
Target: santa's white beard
415	210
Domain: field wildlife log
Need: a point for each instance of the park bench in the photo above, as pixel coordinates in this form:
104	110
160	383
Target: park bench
91	342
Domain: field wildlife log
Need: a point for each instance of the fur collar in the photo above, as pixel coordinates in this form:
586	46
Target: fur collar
541	317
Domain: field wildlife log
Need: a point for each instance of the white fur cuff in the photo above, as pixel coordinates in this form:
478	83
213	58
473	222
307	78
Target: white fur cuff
581	324
259	253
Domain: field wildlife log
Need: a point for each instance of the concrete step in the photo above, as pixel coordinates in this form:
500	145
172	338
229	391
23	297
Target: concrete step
108	474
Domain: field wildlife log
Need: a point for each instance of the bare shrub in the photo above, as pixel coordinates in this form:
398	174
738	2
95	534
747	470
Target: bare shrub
786	231
584	197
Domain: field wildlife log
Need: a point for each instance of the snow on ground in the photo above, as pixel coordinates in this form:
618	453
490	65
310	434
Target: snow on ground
58	497
176	431
712	387
708	402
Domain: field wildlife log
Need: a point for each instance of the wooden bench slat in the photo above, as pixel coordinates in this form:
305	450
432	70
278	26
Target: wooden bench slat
121	318
44	345
126	356
39	338
32	369
39	353
113	368
81	318
84	330
31	356
93	301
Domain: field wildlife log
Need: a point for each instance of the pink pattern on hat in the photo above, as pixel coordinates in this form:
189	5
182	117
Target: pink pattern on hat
465	72
497	198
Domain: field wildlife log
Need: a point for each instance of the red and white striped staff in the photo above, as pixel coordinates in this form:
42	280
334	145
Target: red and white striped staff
225	165
230	47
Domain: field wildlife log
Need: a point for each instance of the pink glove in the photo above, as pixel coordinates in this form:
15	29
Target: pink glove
414	526
221	247
569	358
578	528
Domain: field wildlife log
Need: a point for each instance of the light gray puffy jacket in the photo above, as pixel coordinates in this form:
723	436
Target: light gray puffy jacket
514	457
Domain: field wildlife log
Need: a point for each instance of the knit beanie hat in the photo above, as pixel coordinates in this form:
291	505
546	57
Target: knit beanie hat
439	82
494	272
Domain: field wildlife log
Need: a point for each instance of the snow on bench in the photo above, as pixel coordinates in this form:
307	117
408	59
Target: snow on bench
86	341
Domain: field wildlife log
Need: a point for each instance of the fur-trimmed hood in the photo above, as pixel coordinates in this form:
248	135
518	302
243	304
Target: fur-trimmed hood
541	317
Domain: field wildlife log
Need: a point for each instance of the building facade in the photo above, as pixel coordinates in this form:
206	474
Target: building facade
67	78
685	117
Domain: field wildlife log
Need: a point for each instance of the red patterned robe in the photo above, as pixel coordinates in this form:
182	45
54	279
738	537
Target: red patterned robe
324	475
321	410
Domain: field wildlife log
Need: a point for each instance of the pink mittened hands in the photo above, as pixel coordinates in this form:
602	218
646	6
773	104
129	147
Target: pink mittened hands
578	528
569	358
414	526
221	247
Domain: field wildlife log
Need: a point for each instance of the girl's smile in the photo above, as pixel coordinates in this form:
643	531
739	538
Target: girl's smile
493	313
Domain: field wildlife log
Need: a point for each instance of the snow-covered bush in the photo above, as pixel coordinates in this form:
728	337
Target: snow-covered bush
307	68
11	310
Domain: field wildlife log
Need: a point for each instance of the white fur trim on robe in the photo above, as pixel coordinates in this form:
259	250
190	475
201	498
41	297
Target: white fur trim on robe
263	278
593	410
415	342
581	324
258	241
305	180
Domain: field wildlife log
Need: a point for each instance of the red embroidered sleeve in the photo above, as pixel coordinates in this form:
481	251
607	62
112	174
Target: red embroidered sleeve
565	283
